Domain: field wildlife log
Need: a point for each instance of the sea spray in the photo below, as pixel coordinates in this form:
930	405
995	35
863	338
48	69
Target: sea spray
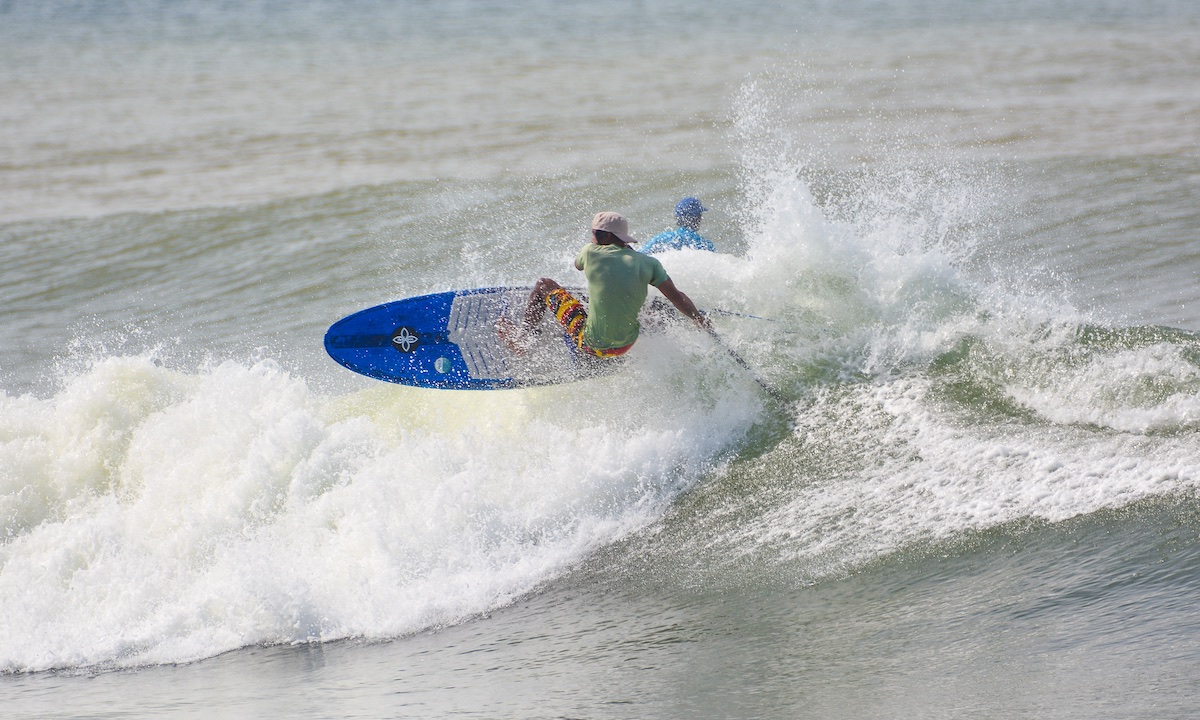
941	395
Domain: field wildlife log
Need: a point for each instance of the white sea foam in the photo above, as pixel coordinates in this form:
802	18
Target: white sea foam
1133	390
923	475
154	515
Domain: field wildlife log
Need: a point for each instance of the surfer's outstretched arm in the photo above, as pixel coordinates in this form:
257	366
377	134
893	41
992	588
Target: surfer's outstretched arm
683	304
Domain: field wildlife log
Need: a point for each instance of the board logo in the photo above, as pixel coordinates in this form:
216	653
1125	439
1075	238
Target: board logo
404	340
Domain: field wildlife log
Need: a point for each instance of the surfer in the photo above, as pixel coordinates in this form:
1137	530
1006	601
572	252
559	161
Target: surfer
686	234
618	278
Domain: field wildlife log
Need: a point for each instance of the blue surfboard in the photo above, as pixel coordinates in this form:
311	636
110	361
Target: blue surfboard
449	340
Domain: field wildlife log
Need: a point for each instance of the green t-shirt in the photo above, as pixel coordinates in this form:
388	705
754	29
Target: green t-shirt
617	281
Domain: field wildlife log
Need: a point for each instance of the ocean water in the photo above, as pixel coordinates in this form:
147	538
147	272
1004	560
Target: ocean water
959	239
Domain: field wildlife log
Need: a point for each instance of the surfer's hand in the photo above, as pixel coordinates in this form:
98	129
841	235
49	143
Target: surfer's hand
702	321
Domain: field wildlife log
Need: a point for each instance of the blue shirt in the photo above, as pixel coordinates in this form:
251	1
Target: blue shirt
677	239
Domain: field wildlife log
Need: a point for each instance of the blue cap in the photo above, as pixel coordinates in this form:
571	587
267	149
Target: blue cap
689	207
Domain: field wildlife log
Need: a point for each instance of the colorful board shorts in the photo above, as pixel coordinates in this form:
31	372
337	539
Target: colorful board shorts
571	314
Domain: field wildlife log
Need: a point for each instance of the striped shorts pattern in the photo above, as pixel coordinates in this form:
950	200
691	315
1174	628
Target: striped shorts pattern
571	314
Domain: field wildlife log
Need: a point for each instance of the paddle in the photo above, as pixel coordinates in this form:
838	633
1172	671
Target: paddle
772	392
730	313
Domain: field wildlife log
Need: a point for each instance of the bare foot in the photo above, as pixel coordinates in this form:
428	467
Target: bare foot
512	336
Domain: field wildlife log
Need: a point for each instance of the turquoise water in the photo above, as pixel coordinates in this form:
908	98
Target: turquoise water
971	230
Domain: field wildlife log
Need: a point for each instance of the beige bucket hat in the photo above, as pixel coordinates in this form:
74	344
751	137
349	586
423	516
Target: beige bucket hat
614	223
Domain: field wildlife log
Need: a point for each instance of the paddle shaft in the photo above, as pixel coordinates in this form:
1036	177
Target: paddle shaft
775	394
730	313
